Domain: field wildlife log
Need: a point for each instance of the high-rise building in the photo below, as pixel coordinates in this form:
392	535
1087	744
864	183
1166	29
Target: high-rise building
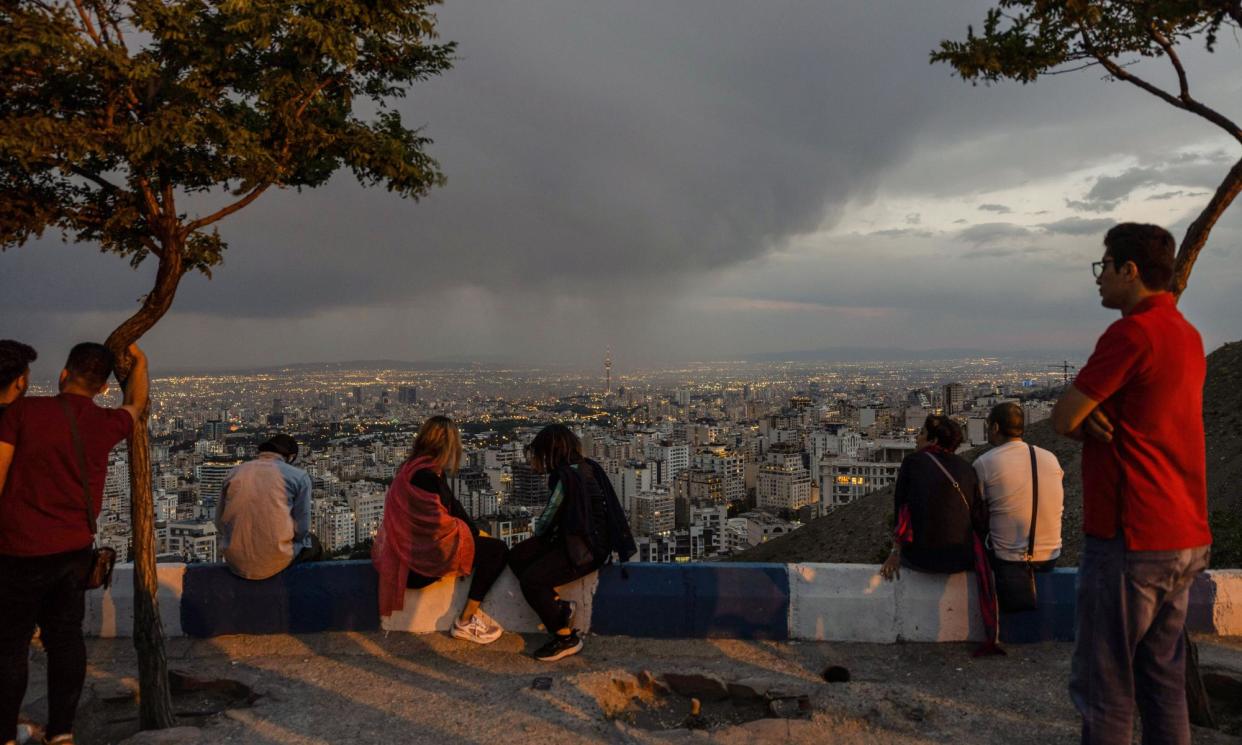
608	372
527	488
407	395
729	464
672	458
211	475
954	398
699	486
467	480
193	540
335	525
783	483
368	510
654	513
214	429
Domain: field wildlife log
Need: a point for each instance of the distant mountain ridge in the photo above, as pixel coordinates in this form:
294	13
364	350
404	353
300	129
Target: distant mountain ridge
330	366
900	354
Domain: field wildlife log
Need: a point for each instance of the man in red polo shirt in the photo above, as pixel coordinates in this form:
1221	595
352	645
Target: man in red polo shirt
1138	408
45	537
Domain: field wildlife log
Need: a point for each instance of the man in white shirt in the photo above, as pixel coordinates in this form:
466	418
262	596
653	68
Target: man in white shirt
1006	478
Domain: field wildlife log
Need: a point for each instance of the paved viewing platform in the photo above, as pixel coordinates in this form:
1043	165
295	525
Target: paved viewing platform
375	687
303	658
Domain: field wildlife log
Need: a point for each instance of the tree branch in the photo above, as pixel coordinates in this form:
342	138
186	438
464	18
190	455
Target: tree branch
79	171
1197	234
1176	61
1071	69
86	22
225	211
1188	104
310	96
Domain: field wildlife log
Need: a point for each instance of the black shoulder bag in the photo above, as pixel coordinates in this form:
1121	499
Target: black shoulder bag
103	558
1015	580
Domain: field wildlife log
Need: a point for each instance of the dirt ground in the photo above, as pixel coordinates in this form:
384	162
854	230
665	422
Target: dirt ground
372	688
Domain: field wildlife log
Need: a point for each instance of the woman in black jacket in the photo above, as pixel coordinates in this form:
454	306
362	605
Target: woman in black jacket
937	505
575	534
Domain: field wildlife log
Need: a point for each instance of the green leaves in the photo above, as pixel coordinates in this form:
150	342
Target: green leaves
1023	39
104	125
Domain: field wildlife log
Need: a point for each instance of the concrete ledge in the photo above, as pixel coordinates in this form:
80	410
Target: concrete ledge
822	602
1216	603
433	608
842	602
743	601
324	596
111	613
937	607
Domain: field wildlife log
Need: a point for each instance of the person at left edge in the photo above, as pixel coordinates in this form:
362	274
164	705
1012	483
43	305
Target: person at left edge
15	359
45	536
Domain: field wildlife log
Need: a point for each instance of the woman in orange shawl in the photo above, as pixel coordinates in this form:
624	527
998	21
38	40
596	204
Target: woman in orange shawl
427	535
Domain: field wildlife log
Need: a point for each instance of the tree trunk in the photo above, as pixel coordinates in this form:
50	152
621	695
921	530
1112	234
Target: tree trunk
155	710
1197	234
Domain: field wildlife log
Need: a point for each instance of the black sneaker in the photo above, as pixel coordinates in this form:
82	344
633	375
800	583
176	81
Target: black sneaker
559	647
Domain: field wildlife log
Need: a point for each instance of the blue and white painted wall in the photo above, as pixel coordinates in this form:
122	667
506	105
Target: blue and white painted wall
819	602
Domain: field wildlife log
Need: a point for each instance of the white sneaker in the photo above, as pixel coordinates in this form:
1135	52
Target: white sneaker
480	629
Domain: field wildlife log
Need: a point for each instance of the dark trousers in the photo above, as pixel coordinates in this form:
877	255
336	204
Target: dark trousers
1128	647
45	591
489	561
540	567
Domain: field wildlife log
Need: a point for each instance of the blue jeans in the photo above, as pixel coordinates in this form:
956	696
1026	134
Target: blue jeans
1128	646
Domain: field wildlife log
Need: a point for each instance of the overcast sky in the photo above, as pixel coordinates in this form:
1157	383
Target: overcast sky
695	180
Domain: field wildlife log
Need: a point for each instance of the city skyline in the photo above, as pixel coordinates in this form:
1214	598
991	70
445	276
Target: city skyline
699	182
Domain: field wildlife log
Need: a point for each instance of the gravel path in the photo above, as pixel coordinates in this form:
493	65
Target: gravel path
371	688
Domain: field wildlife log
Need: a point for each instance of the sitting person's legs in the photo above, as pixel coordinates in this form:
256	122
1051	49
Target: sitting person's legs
490	557
541	567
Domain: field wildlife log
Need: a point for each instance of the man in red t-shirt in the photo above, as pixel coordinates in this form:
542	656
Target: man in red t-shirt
1137	406
15	359
45	536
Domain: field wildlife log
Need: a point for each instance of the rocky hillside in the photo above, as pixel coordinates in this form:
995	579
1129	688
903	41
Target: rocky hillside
859	532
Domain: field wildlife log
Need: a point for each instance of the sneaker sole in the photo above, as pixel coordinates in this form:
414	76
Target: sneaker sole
563	653
471	638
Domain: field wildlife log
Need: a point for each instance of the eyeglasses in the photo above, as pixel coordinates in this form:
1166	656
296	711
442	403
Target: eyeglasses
1097	267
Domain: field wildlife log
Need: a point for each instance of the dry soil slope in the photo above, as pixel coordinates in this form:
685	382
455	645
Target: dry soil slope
859	533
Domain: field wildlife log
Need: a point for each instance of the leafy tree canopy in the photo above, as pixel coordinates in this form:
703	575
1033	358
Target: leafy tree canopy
1024	39
110	110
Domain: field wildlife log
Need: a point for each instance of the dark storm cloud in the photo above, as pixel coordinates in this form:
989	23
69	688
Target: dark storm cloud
999	209
588	145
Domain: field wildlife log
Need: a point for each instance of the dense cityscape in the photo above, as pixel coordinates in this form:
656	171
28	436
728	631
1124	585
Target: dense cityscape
707	459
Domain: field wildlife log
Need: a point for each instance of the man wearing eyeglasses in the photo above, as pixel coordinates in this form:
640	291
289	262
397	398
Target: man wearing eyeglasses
1137	406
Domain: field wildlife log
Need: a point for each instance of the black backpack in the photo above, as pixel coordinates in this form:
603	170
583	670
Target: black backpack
592	521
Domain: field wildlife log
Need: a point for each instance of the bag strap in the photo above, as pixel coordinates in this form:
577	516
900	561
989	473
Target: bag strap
1030	540
952	480
80	452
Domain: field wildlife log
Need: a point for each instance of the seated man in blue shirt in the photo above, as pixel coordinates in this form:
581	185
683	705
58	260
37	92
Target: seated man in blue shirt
263	516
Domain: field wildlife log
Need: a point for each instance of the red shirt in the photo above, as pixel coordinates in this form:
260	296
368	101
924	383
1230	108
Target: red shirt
1147	372
42	510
